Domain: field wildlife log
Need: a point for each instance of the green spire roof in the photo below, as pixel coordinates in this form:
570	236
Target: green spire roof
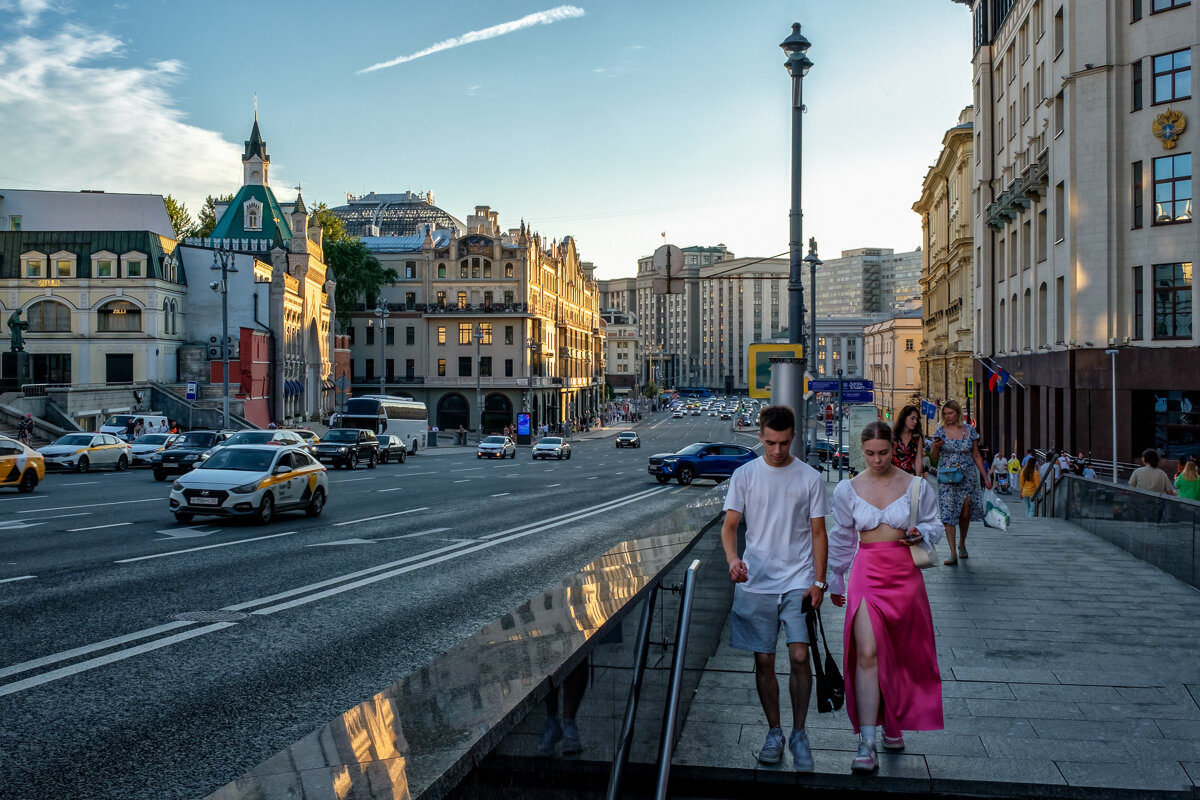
255	146
232	224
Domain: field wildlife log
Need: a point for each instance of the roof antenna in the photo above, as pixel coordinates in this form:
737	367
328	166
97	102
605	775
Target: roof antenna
256	106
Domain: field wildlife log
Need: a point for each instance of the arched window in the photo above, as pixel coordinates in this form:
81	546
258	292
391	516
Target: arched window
253	215
1027	318
166	317
49	316
119	316
174	317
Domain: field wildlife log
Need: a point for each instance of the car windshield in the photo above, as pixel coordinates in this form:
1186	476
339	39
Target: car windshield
627	436
555	440
240	460
151	438
691	450
494	440
250	437
195	439
341	435
117	421
76	439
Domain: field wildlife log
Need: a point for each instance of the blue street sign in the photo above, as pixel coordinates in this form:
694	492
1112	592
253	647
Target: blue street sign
858	397
829	427
191	390
848	386
822	386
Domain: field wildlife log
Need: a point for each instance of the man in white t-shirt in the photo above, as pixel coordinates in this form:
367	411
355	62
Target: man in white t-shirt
784	504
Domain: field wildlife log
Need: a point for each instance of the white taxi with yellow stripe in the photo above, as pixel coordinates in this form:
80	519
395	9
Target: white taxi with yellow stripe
82	451
251	481
20	466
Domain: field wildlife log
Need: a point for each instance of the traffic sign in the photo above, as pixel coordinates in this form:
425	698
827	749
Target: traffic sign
191	390
341	383
858	397
847	386
829	427
970	388
822	386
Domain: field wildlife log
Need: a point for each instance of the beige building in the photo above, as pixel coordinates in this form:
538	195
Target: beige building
507	311
623	353
1082	223
893	347
946	269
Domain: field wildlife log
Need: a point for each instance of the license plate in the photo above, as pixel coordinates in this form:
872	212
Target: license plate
204	501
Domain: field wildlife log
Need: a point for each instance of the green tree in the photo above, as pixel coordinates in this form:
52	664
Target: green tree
333	229
181	219
651	390
207	221
359	276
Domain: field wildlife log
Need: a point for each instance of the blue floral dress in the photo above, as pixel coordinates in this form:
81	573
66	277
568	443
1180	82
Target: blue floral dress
959	453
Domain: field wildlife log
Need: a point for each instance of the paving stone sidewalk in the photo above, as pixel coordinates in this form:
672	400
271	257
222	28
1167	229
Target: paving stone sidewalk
1069	669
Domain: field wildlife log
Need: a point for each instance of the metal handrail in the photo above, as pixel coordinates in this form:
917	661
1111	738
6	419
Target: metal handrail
621	759
666	746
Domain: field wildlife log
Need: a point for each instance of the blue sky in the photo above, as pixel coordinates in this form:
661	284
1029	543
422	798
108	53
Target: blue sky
613	123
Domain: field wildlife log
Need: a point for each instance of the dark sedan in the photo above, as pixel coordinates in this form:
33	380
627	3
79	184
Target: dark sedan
716	460
391	448
628	439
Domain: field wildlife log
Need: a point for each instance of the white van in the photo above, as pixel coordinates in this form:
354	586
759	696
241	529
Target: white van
117	422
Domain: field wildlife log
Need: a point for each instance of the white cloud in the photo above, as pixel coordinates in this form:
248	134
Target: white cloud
82	119
548	17
29	10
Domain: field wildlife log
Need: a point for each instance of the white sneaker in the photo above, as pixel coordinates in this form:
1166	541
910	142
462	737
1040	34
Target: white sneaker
865	760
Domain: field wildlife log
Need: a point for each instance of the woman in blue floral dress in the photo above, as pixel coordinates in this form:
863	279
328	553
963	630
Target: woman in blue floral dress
956	444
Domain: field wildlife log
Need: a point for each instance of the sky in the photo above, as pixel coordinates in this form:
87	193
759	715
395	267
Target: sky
611	121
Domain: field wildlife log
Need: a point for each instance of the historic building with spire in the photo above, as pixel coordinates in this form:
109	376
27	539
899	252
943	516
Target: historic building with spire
280	303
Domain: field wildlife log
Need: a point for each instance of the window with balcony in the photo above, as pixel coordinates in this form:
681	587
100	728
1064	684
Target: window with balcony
441	299
1173	189
410	300
462	299
508	298
1172	76
1173	301
487	299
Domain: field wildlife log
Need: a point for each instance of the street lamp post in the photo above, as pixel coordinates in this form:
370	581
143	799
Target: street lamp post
223	260
381	314
813	262
478	333
798	64
1112	354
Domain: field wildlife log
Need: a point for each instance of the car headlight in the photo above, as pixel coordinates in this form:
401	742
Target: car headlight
177	486
245	488
669	460
342	449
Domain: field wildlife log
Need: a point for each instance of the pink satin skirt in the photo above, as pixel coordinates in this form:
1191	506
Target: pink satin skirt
886	580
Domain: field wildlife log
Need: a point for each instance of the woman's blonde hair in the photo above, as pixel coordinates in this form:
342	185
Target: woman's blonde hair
954	405
1190	473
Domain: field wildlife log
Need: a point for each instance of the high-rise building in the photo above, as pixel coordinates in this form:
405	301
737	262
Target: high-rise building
1082	224
869	280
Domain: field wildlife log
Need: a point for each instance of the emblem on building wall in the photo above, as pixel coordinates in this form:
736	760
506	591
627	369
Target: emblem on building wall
1167	126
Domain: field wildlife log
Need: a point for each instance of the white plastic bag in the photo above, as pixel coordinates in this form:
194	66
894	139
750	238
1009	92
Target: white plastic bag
995	512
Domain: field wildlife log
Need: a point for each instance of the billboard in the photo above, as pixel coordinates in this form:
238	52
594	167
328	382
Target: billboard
760	365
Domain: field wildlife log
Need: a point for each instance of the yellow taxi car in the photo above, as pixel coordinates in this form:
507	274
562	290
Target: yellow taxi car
82	451
20	466
251	481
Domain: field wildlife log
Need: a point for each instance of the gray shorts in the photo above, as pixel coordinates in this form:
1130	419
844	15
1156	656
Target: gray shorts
755	619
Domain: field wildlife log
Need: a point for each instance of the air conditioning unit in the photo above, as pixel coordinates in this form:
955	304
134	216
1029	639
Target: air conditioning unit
214	353
230	340
214	340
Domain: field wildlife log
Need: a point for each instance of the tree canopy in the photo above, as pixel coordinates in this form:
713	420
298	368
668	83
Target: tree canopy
181	219
207	221
359	276
333	229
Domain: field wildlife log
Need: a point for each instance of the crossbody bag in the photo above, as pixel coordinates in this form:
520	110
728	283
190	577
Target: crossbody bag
924	559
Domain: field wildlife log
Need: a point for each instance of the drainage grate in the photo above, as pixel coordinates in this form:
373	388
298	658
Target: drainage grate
209	616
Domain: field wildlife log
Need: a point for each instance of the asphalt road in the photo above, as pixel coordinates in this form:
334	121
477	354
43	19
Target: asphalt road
141	658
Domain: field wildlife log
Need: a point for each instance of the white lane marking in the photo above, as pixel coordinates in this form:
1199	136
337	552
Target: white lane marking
341	541
465	480
502	494
381	516
445	557
98	527
84	483
466	469
354	480
63	516
25	666
681	489
393	489
93	505
413	535
551	486
331	581
18	578
14	526
406	473
618	473
191	532
92	663
573	515
594	477
205	547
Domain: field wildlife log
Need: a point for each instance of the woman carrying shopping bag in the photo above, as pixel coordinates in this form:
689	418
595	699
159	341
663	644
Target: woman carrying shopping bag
959	472
891	669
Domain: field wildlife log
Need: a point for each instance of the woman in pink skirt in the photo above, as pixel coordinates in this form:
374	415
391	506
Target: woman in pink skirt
891	662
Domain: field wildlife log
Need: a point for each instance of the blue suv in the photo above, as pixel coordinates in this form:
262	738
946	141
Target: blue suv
715	460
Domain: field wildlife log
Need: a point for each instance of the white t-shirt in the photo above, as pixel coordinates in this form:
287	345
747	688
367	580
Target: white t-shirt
778	505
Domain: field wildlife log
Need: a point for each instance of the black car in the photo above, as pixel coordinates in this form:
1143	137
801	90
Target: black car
391	448
628	439
185	452
345	447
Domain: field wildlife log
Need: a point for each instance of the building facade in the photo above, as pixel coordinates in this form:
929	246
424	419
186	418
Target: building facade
93	276
869	280
278	291
893	347
742	301
947	273
1082	227
623	352
482	323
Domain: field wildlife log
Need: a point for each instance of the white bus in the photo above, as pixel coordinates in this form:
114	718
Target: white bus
396	416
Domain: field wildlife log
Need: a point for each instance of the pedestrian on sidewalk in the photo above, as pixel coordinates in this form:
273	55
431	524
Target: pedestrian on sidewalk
960	469
782	501
1030	481
909	451
1149	477
1188	482
890	663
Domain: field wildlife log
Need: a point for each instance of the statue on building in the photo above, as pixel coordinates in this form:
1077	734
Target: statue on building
16	328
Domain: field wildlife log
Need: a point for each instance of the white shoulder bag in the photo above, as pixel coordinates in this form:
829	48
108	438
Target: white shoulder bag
924	559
